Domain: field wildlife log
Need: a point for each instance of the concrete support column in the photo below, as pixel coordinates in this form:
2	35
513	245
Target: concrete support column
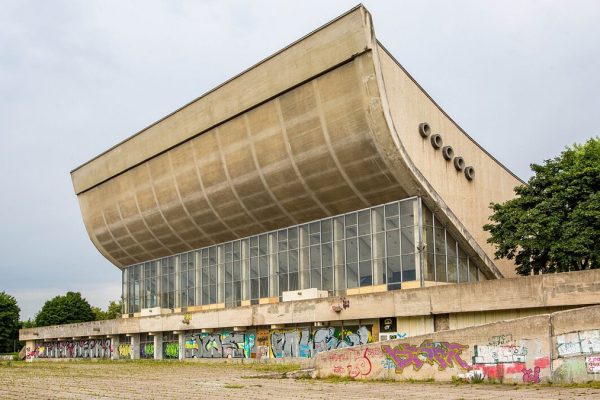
181	345
135	346
114	345
158	346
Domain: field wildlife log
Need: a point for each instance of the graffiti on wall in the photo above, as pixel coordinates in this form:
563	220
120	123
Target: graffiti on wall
592	364
147	350
499	354
578	343
303	342
124	350
442	354
84	348
171	350
496	361
220	345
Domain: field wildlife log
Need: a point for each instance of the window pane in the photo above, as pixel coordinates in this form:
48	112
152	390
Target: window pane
351	251
315	278
293	260
293	238
254	267
326	253
338	228
283	283
409	270
327	277
237	270
407	213
350	219
263	245
254	289
393	270
366	273
315	257
364	248
263	266
326	231
264	287
393	242
352	275
408	240
293	281
283	263
364	222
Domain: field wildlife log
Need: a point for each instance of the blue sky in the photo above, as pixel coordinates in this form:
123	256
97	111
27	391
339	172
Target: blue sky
76	77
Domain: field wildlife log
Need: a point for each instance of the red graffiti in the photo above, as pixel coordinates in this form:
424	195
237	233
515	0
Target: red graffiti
338	369
532	376
444	354
361	367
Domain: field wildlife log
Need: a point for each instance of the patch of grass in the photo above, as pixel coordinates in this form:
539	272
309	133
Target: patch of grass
574	385
233	386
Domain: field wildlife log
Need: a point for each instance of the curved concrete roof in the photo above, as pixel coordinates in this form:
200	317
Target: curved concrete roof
326	126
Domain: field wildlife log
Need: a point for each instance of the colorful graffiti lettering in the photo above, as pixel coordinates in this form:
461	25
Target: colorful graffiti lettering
531	376
593	364
171	350
124	350
443	354
85	348
220	345
361	367
577	343
499	354
147	350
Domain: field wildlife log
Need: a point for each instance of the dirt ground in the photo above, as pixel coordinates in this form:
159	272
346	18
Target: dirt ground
175	380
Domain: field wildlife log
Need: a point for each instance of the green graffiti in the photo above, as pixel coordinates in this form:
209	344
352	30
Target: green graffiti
149	349
172	350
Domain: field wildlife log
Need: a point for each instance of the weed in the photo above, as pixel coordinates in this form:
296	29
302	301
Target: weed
233	386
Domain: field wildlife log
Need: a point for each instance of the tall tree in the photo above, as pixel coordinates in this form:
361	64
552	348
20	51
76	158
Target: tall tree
553	224
66	309
9	322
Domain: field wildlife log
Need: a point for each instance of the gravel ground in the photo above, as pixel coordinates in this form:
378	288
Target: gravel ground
195	380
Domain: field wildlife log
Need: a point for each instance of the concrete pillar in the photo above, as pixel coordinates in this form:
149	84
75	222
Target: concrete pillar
135	346
114	345
158	346
181	345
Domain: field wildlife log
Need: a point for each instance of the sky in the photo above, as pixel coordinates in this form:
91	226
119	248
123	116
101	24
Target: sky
76	77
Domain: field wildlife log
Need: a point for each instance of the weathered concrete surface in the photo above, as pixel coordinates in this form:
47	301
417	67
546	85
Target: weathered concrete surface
328	125
567	289
576	341
503	351
171	380
559	347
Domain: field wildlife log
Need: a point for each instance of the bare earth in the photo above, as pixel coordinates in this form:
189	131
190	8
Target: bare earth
195	380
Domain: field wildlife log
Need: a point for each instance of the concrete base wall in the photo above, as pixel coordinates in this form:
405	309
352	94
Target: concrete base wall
559	347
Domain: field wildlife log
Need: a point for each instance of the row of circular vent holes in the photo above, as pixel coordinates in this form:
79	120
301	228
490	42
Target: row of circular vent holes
447	151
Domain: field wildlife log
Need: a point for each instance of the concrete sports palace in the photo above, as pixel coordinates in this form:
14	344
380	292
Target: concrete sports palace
318	200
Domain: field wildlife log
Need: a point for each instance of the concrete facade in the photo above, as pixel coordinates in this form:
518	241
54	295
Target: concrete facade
561	347
289	142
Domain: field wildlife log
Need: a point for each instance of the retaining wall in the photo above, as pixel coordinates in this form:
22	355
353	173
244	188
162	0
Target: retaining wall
560	347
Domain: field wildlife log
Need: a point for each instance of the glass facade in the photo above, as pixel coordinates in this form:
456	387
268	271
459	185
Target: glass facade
374	246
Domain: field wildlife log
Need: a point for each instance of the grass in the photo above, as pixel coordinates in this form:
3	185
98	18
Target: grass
233	386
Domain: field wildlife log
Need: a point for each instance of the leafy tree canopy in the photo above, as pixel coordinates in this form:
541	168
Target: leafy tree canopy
112	312
9	322
553	224
66	309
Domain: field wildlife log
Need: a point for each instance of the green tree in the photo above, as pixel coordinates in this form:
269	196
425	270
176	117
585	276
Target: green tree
9	322
114	309
112	312
553	224
66	309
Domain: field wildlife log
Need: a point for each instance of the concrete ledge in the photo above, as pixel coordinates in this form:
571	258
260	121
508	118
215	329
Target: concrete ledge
567	289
